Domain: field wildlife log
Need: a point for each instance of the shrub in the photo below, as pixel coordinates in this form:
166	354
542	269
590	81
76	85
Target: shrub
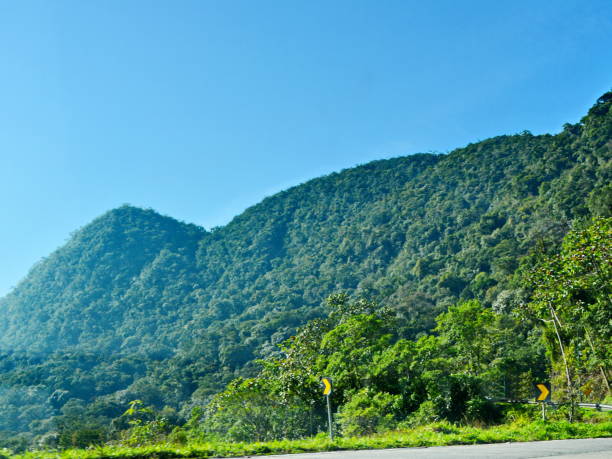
459	398
521	414
368	412
425	414
78	438
178	436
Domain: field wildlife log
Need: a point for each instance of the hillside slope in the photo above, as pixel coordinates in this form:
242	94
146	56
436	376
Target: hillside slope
140	305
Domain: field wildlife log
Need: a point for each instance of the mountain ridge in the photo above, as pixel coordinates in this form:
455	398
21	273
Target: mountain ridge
185	310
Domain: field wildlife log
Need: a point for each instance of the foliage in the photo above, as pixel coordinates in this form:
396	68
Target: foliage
379	378
368	412
145	426
572	300
248	410
460	397
137	305
436	434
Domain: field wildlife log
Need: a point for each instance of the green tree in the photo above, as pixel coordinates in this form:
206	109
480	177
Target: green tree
572	300
469	329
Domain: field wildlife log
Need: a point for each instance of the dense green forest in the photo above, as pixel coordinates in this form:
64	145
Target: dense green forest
423	285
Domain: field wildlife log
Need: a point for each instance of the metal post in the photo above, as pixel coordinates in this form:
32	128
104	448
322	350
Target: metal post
329	418
543	411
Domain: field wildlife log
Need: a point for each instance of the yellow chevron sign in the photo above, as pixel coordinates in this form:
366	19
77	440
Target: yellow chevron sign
542	392
327	385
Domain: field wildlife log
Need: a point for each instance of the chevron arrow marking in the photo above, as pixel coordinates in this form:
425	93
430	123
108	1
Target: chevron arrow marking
543	392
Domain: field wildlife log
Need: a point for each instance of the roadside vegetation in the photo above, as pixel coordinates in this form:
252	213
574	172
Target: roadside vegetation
436	434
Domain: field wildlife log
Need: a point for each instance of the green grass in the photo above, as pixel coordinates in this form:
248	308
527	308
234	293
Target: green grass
438	434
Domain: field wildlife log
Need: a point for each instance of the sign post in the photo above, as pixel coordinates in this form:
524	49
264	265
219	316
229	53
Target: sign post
542	394
327	390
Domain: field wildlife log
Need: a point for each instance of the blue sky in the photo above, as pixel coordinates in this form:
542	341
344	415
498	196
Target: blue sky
200	109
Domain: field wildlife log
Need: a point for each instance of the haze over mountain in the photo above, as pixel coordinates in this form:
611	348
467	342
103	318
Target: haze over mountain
139	305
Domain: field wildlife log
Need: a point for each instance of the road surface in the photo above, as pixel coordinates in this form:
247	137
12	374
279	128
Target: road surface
596	448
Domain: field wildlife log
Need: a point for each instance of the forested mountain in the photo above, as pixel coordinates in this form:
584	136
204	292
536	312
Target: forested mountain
140	306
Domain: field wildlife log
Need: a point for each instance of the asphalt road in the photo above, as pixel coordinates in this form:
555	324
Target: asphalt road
596	448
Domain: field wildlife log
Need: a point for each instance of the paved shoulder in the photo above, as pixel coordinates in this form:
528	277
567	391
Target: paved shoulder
596	448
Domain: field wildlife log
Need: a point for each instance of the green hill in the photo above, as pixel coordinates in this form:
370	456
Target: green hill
140	306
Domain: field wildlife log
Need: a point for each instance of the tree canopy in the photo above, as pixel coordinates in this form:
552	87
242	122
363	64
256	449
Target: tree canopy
139	306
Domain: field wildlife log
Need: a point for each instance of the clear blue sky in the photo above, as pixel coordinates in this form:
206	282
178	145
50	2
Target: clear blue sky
200	109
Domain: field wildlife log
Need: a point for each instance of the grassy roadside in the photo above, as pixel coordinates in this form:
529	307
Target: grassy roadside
438	434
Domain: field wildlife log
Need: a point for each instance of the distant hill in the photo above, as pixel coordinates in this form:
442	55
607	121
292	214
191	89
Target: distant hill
140	305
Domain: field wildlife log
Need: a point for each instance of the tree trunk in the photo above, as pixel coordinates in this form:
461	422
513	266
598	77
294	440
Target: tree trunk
556	321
